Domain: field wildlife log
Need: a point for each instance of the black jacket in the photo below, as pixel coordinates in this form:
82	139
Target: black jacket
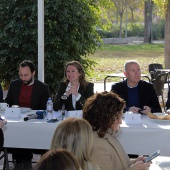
147	94
168	100
85	93
1	139
39	97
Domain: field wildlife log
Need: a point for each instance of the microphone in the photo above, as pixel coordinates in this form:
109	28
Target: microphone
63	99
63	102
30	116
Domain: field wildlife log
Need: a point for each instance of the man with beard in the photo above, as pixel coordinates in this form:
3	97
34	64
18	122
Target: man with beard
28	91
31	93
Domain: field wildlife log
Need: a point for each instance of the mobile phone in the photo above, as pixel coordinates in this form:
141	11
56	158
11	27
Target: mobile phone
140	110
152	156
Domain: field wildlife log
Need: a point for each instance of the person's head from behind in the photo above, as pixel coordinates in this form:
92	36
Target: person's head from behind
103	111
74	72
57	160
76	136
26	71
132	72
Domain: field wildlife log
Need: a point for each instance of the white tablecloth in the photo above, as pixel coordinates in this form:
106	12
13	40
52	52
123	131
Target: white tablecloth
145	138
136	139
160	163
35	133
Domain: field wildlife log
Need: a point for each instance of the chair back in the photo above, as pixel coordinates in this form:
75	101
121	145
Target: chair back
154	66
159	82
152	70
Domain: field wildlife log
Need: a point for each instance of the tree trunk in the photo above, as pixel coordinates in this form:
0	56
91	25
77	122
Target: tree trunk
167	37
126	21
132	17
148	21
120	28
117	15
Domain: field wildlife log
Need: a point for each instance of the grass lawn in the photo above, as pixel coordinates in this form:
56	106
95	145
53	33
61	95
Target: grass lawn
111	58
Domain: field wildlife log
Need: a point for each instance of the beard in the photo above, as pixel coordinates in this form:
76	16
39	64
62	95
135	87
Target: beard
28	82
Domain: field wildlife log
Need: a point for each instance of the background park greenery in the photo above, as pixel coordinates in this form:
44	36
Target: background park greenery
72	32
69	34
111	58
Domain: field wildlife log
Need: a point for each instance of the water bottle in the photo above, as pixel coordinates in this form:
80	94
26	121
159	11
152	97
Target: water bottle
49	109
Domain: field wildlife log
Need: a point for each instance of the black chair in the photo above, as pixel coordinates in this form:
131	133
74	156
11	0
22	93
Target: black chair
158	84
152	70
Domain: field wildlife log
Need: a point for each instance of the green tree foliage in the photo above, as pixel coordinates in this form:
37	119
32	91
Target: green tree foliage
165	6
69	34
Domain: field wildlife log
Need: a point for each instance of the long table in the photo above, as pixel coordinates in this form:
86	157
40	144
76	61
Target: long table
31	134
136	139
141	139
146	137
160	163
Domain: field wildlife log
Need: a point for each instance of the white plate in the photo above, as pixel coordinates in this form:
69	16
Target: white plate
25	109
158	121
159	114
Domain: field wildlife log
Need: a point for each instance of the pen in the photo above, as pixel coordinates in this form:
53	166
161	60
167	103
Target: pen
2	120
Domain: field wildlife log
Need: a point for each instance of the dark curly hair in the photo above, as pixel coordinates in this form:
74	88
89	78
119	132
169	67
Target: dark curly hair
102	109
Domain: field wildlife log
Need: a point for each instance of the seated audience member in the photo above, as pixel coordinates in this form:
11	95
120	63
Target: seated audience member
75	87
57	160
104	111
137	93
26	92
1	134
76	136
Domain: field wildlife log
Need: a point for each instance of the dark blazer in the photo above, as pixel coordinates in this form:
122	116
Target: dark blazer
85	93
1	139
147	94
1	94
39	97
168	100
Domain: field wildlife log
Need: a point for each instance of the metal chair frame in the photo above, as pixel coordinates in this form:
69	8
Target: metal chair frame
158	84
152	70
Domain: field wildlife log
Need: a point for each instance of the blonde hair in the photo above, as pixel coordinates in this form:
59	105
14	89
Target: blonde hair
76	136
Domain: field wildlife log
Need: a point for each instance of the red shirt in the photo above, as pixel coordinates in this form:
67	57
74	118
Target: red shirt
25	96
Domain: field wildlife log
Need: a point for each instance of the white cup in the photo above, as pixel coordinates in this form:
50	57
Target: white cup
3	106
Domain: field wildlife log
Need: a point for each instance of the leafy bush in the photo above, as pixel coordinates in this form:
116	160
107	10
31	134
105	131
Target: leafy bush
134	30
158	30
69	34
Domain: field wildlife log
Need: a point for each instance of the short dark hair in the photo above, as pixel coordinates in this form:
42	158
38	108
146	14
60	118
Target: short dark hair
28	63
